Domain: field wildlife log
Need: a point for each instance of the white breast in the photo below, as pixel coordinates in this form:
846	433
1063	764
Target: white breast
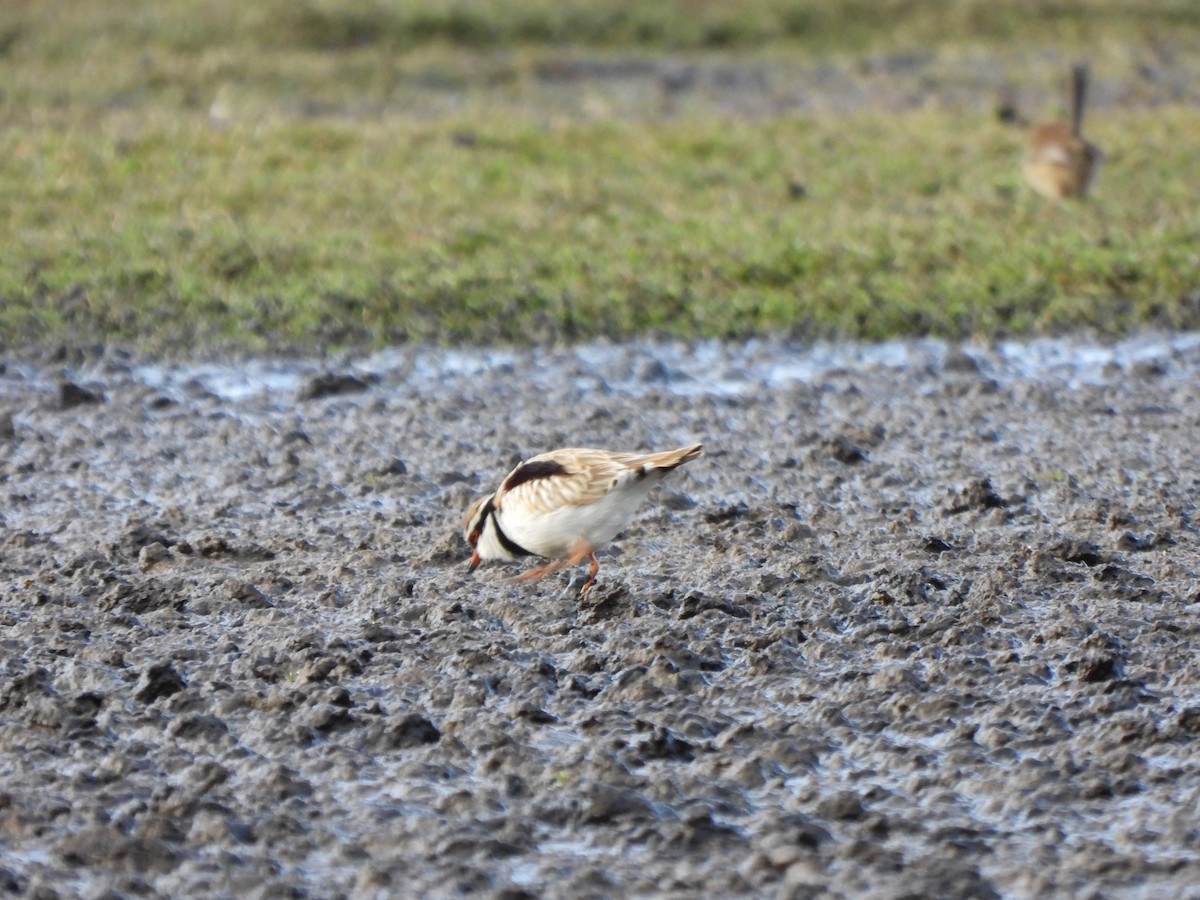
556	533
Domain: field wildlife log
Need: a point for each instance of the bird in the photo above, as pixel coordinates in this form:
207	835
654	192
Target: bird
564	505
1059	162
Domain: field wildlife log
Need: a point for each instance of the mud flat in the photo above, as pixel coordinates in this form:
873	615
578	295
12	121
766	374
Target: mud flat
922	622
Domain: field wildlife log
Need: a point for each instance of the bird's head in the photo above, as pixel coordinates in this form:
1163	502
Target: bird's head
474	520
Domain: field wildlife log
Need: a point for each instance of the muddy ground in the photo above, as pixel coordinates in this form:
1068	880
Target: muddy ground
922	622
1019	84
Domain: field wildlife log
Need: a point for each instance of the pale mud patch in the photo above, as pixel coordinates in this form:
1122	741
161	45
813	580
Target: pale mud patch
922	622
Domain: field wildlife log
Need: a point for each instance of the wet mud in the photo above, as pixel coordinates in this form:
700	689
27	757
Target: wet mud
922	622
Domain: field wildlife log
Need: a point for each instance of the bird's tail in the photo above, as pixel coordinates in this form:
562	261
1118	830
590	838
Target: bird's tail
667	459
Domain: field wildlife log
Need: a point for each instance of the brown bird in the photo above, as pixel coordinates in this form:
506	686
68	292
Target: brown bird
1059	162
564	505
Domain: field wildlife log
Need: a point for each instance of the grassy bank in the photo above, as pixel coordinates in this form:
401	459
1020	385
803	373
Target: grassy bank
57	29
319	213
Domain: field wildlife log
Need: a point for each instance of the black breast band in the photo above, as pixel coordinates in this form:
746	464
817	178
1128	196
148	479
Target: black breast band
505	541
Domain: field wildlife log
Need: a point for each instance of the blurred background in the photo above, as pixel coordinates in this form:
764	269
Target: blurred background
304	176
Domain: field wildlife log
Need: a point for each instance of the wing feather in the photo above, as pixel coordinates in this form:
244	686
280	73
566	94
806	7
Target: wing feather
579	476
584	476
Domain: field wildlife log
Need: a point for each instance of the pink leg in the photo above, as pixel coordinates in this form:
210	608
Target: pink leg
576	556
593	570
537	573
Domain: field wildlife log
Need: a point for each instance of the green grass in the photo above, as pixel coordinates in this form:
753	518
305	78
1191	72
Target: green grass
323	214
57	56
175	232
56	28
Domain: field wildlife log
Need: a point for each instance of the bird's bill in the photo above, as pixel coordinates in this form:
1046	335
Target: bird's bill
476	559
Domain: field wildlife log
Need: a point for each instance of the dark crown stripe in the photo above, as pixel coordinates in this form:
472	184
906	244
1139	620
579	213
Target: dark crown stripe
484	512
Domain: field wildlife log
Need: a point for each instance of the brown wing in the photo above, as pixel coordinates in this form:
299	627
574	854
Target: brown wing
560	478
578	476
